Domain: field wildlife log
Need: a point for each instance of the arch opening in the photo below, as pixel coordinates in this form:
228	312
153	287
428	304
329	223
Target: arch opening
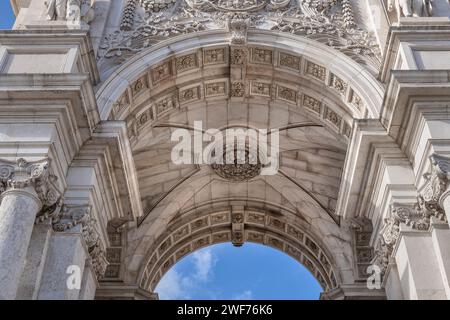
307	91
254	271
239	225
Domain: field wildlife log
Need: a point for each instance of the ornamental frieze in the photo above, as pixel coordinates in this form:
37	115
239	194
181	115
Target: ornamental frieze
146	22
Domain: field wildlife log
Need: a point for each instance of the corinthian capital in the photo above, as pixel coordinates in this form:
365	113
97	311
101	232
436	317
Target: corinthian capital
410	215
22	174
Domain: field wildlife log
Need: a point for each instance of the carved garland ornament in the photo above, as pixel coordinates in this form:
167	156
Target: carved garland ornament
417	216
146	22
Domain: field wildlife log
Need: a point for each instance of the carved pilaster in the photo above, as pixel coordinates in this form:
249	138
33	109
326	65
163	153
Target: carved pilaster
416	216
73	216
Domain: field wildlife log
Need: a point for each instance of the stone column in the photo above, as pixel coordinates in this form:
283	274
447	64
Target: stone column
25	192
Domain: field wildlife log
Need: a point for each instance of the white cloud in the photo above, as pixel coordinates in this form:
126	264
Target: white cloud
176	285
172	287
246	295
204	261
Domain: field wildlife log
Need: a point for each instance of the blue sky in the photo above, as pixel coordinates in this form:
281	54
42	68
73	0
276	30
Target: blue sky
223	271
250	272
6	15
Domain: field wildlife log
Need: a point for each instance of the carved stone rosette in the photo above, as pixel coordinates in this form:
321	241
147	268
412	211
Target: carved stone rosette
245	166
73	216
417	216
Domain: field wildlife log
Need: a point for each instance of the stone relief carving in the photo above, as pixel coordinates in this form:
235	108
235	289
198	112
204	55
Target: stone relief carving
70	10
156	5
237	228
411	8
238	24
246	166
362	232
417	216
146	22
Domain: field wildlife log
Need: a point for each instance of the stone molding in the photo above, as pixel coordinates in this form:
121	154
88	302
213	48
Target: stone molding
420	31
118	291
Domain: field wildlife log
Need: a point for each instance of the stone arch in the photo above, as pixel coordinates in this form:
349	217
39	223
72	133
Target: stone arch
192	231
164	221
333	72
308	80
